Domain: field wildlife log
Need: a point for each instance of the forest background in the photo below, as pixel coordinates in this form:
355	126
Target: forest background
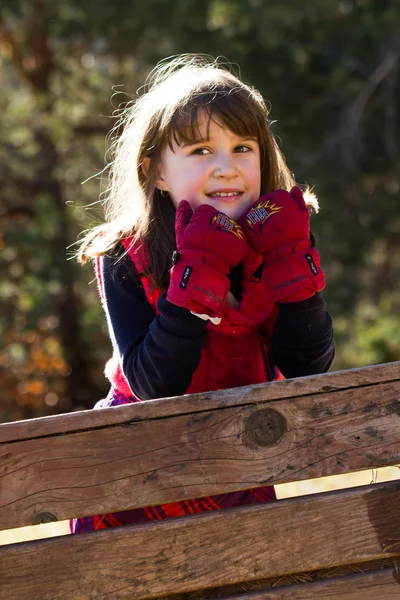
328	68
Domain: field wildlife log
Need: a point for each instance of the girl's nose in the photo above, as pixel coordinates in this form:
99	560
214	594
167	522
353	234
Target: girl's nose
224	166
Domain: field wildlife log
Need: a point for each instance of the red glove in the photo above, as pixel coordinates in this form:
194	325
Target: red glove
209	244
278	227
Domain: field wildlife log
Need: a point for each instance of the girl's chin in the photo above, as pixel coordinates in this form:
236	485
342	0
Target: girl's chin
232	211
234	214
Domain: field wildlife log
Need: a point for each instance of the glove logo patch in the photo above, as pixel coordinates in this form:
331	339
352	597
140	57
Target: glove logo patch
261	212
223	222
185	277
311	264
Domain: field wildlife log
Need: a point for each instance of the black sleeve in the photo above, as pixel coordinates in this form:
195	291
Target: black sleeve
159	354
302	340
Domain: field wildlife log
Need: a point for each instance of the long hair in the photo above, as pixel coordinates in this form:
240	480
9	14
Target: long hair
165	113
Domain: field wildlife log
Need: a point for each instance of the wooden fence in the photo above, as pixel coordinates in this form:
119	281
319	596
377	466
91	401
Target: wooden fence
342	544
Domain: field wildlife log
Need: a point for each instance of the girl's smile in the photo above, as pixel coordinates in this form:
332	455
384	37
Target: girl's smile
221	169
226	194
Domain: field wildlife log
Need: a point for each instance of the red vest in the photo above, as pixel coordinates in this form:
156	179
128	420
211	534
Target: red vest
236	352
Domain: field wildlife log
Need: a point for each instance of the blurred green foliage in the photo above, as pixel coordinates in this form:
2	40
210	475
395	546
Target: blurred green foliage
330	71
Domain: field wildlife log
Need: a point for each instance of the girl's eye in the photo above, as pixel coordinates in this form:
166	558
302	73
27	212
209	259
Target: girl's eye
200	151
242	148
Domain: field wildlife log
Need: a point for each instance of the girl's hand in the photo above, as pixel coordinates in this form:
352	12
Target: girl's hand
209	245
278	227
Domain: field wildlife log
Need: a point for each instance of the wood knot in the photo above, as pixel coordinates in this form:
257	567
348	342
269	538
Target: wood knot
44	517
264	428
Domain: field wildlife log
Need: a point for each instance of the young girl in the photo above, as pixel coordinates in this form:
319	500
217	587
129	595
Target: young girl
197	176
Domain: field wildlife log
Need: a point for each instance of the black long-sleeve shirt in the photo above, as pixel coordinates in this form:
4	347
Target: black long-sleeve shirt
159	354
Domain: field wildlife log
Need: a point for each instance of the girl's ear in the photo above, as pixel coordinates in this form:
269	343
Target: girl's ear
160	181
146	166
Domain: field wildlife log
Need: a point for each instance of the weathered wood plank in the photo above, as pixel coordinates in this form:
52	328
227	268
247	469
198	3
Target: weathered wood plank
376	585
197	552
253	394
293	582
184	456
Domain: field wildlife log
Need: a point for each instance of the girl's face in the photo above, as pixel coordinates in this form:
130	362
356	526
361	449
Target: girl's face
222	170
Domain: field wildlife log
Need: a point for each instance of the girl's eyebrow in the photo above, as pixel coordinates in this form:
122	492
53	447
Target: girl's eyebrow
206	140
195	142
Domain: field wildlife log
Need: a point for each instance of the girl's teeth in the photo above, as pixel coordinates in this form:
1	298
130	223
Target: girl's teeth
225	194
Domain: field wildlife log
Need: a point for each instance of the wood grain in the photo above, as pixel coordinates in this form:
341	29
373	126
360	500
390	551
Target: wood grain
253	394
223	548
165	459
377	585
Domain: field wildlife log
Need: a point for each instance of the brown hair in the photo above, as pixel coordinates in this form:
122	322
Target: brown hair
166	113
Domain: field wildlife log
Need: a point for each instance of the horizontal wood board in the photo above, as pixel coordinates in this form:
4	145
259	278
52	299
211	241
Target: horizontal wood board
377	585
193	553
177	457
253	394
